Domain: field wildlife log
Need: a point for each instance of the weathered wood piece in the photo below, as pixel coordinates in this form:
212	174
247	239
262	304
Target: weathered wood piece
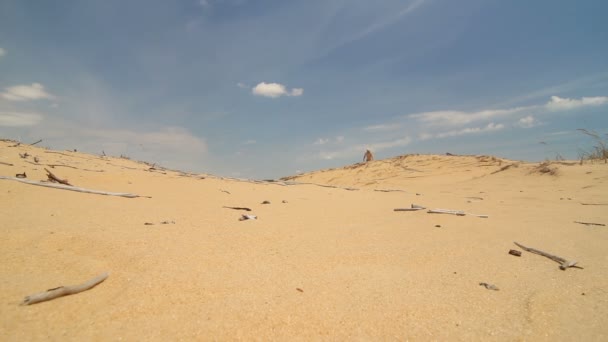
7	164
590	223
54	178
37	142
446	211
414	207
74	188
63	291
489	286
515	252
238	208
564	264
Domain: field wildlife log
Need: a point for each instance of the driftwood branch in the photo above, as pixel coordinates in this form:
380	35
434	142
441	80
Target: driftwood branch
8	164
590	223
54	178
73	188
63	291
37	142
454	212
238	208
446	211
564	264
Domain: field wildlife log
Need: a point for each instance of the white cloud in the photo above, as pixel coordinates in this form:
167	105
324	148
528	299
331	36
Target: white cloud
322	141
26	92
250	142
274	90
242	85
382	128
15	119
559	103
457	118
528	122
471	130
2	52
297	92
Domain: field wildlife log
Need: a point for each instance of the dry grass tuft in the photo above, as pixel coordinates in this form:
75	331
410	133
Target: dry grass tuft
545	168
597	152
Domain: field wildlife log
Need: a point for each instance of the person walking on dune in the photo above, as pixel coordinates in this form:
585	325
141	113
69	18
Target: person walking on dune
368	156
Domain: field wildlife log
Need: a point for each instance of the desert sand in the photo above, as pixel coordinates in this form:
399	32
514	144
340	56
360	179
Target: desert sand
327	259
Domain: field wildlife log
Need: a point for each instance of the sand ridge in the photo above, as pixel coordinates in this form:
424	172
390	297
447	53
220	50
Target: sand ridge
319	263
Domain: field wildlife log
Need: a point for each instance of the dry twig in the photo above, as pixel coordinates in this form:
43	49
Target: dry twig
63	291
73	188
54	178
590	223
564	264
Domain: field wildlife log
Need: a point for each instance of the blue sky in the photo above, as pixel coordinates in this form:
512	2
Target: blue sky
268	88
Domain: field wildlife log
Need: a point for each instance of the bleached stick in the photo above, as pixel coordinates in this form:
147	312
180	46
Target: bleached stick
446	211
453	212
63	291
563	262
73	188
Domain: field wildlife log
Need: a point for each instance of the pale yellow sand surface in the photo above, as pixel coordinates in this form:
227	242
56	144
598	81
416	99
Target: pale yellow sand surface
320	263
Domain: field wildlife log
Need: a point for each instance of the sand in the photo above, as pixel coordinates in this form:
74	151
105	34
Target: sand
319	263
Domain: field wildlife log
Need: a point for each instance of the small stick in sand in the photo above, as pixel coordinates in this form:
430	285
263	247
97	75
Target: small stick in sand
590	223
63	291
446	211
54	178
73	188
238	208
564	264
489	286
7	164
414	207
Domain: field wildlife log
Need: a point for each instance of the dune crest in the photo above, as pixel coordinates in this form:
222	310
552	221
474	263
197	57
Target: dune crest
333	261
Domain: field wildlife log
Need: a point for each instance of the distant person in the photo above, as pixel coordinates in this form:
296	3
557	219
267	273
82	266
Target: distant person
368	156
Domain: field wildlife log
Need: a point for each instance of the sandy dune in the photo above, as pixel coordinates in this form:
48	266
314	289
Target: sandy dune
320	263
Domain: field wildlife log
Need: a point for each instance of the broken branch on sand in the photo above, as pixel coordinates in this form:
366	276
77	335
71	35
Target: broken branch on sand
8	164
454	212
564	264
414	207
73	188
238	208
446	211
54	178
63	291
590	223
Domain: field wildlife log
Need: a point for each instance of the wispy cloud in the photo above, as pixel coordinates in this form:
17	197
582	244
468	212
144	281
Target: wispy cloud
389	20
448	118
2	52
383	127
35	91
471	130
275	90
528	122
458	118
17	119
559	103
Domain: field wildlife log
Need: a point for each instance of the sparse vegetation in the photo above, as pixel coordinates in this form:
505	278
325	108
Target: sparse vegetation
598	152
546	168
